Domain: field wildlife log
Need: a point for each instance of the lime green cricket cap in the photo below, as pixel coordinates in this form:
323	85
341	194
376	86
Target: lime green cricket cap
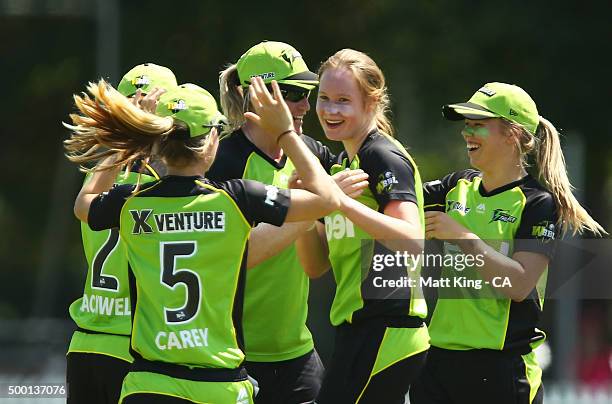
275	61
497	100
145	77
220	119
192	105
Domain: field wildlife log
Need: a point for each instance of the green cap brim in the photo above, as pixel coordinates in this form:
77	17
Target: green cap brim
469	110
307	80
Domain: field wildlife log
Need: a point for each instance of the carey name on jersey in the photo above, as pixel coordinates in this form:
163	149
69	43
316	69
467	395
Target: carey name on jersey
177	222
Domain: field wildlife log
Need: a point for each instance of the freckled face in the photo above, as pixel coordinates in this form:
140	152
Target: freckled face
341	107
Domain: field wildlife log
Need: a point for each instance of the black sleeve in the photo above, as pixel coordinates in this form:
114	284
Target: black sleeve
536	232
323	153
105	209
434	192
231	158
259	202
391	175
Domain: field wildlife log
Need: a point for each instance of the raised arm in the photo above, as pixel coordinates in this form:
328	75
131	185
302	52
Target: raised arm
321	195
101	181
268	240
312	248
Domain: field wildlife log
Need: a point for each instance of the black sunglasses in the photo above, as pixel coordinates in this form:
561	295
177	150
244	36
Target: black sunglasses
293	94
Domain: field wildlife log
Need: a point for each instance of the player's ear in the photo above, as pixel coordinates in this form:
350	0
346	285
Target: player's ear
370	105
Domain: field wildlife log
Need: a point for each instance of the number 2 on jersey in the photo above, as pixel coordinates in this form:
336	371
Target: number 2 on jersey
99	281
171	277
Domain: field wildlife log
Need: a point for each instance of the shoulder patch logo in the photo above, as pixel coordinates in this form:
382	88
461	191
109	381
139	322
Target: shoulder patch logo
502	215
271	195
544	230
385	182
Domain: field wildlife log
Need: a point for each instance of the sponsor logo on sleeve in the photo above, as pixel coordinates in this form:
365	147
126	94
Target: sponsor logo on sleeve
386	182
271	195
545	230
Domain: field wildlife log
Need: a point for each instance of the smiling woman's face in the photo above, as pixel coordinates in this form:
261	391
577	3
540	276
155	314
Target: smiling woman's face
486	142
341	107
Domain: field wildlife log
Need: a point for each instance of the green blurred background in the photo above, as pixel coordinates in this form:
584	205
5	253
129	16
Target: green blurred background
432	52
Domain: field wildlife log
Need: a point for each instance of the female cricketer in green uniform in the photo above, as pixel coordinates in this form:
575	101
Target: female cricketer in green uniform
280	352
185	236
98	356
381	340
482	346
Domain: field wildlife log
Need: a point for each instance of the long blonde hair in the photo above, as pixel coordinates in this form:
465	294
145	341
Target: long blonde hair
370	79
231	95
108	123
552	170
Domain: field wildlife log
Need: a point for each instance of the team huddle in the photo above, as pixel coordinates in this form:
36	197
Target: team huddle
203	225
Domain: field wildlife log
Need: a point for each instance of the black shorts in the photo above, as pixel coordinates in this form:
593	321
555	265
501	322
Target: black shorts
94	378
288	382
478	376
352	377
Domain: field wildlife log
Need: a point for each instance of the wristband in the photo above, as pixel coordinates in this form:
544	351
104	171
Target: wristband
283	134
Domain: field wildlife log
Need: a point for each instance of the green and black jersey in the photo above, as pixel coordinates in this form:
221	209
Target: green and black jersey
276	298
102	314
519	216
393	175
186	239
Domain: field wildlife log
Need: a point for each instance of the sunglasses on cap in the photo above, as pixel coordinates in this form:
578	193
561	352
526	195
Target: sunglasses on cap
293	94
219	123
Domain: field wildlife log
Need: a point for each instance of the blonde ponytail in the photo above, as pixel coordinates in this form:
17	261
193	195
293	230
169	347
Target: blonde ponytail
552	170
231	97
109	123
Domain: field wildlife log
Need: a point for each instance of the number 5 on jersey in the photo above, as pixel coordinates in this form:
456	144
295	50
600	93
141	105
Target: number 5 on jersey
171	277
